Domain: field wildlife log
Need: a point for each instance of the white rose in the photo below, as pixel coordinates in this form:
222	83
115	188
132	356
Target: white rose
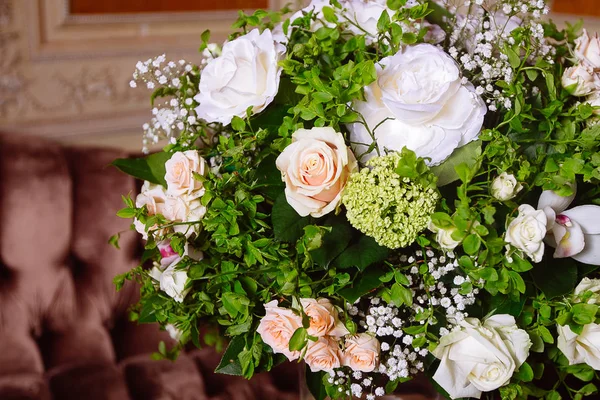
363	17
172	280
584	348
245	75
587	49
527	232
153	197
277	327
181	168
418	102
443	237
584	80
480	357
315	168
184	208
505	187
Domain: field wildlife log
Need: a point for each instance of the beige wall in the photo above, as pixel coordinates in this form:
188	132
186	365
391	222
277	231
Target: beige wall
66	77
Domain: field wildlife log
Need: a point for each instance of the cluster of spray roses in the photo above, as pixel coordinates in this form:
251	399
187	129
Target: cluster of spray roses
330	346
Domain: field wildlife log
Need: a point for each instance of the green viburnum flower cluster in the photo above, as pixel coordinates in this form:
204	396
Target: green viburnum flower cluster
391	207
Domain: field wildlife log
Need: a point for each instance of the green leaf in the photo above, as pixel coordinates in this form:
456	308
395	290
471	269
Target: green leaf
361	254
363	284
525	373
126	213
298	339
555	277
114	240
322	97
383	22
334	242
150	168
584	314
401	295
471	244
230	364
288	226
513	58
238	124
467	154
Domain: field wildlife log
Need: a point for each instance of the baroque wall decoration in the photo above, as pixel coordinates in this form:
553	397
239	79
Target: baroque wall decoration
66	75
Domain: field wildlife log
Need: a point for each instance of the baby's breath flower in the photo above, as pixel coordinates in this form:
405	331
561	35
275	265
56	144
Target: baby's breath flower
387	206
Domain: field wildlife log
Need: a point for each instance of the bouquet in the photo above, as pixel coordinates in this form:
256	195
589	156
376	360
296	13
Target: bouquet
382	190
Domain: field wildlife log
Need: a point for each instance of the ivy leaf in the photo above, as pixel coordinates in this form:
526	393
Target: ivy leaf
334	242
467	154
363	284
150	168
230	364
555	277
288	226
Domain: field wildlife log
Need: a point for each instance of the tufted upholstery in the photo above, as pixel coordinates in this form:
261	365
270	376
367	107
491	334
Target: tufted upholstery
64	332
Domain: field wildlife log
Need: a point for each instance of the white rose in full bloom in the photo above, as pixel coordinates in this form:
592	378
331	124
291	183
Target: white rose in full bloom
418	102
181	168
324	319
184	208
153	197
245	75
584	348
361	352
587	49
527	232
172	280
583	78
592	285
443	237
505	187
277	327
323	355
480	357
315	168
364	16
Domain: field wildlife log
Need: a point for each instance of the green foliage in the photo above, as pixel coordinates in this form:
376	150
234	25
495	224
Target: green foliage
150	168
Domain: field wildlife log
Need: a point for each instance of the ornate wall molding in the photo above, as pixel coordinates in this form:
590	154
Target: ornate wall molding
66	76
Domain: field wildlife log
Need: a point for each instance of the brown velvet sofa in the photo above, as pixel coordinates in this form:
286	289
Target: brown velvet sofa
64	330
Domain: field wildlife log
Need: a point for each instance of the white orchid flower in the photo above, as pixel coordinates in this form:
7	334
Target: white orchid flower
575	232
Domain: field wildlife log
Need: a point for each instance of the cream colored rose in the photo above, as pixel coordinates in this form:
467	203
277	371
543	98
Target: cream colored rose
153	197
323	318
584	348
443	237
184	208
315	168
527	232
277	327
580	80
480	357
323	355
361	352
594	101
505	187
245	75
174	332
181	168
587	49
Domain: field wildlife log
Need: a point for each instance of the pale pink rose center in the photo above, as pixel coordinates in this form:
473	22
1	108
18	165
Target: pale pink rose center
313	169
179	173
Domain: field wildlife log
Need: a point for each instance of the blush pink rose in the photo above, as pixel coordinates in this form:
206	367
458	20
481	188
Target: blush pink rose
324	318
361	352
181	168
323	355
315	168
277	327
